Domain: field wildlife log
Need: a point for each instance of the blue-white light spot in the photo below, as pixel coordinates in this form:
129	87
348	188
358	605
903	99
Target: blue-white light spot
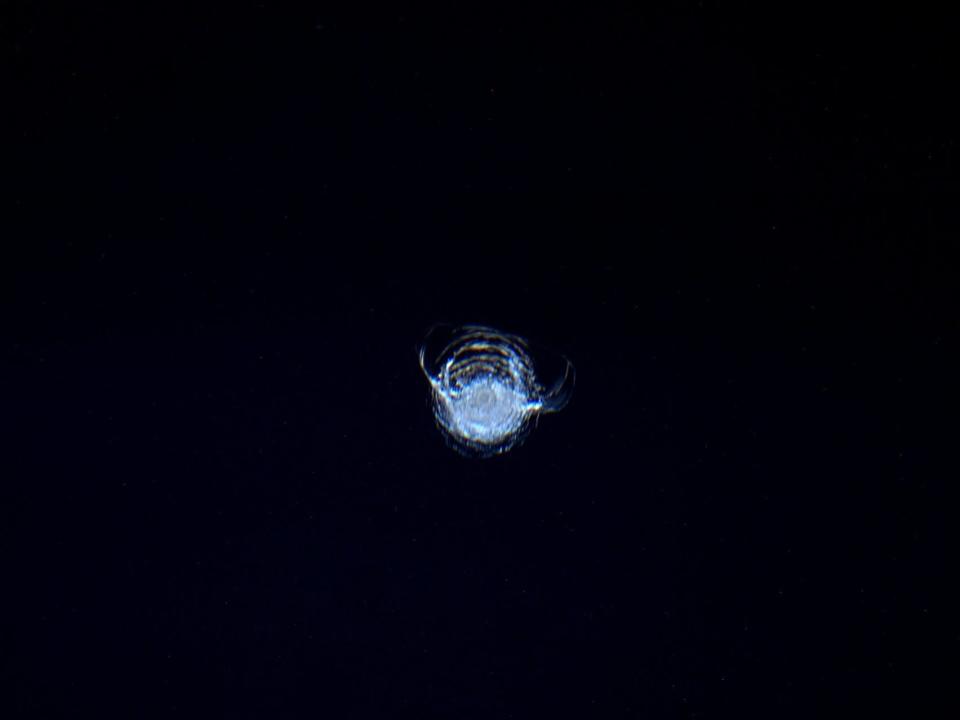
485	392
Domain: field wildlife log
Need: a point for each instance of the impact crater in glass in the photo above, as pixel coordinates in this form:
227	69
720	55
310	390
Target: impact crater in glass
488	388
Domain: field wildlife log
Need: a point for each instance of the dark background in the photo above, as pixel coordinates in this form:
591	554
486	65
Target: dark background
226	231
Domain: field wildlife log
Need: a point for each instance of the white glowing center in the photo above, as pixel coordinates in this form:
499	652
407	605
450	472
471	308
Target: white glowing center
486	410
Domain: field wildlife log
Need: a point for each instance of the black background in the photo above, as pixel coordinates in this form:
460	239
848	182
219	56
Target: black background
226	231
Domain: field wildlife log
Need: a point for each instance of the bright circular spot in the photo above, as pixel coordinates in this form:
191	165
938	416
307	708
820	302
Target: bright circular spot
485	388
